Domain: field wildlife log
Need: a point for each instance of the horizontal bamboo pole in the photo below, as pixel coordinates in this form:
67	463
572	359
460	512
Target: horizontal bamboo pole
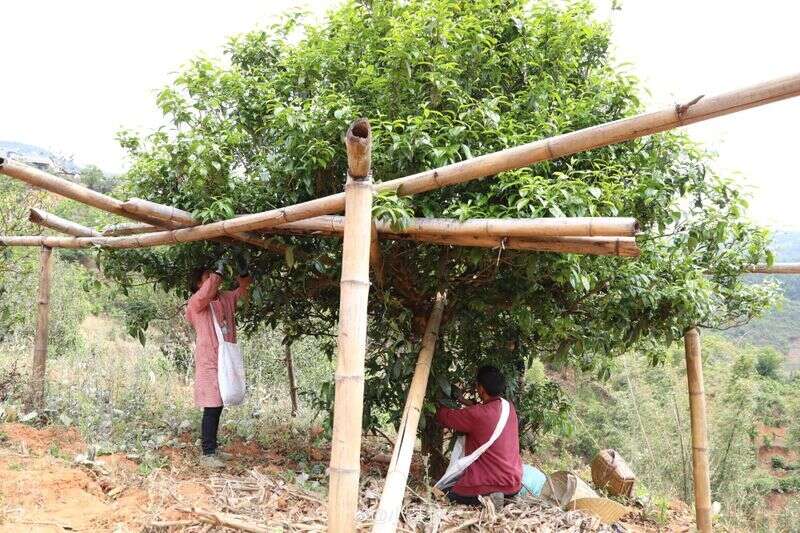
391	503
128	228
486	227
620	246
563	145
776	268
55	222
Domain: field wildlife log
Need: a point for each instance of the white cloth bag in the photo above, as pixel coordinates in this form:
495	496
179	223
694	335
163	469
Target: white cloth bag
230	368
459	463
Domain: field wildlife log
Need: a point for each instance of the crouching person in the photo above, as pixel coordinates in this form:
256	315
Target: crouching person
486	459
206	305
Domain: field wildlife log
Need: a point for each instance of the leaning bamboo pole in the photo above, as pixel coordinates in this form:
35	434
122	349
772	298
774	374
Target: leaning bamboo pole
55	222
391	503
697	410
36	400
67	189
563	145
776	268
345	465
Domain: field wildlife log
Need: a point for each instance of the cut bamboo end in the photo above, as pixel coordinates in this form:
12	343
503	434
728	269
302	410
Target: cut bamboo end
359	149
62	225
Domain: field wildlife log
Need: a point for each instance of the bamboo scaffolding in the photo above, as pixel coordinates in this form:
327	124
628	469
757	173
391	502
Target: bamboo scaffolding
38	367
697	410
697	110
391	503
776	268
54	222
345	465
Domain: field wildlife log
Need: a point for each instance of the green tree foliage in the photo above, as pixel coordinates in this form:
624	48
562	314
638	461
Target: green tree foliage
442	81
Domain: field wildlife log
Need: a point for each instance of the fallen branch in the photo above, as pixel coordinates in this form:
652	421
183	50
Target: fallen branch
226	520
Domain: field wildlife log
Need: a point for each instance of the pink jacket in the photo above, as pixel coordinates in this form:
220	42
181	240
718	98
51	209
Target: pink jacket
198	313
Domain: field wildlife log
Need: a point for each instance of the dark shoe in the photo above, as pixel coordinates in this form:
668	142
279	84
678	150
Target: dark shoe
498	500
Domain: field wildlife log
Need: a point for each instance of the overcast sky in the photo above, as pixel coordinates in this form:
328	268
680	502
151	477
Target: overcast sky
75	72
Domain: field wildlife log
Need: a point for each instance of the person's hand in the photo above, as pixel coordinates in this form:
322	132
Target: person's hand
242	262
219	266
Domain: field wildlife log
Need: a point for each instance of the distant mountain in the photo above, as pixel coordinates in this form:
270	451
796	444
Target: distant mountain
780	327
39	157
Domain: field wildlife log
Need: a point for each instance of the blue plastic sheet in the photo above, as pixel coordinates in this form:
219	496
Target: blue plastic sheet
532	480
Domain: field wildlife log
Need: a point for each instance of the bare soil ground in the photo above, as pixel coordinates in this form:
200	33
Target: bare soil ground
43	488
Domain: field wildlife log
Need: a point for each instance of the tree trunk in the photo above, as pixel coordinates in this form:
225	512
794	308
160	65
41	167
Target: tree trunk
432	443
287	352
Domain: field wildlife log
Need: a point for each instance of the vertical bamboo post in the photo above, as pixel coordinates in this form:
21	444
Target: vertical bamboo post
388	512
40	345
287	352
345	466
697	409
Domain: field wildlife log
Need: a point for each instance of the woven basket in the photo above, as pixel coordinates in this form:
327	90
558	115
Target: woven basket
611	472
607	510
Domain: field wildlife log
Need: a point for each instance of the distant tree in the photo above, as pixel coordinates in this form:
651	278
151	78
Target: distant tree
442	81
769	363
94	178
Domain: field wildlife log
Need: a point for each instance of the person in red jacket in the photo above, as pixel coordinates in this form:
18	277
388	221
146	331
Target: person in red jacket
497	473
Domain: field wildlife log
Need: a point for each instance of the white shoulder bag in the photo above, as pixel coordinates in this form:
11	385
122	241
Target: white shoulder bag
459	463
230	368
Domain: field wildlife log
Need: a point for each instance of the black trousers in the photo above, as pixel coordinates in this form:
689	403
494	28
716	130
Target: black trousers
469	500
209	428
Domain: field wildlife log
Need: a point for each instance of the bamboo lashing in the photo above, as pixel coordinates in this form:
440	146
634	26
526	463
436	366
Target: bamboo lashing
391	503
697	411
42	325
517	157
345	465
776	268
55	222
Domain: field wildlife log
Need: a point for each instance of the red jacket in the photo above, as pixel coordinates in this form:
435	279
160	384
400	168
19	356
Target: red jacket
499	468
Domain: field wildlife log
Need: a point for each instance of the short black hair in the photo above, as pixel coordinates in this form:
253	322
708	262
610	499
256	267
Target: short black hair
194	279
491	379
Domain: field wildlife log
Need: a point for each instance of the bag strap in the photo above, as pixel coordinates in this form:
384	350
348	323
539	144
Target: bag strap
220	337
498	429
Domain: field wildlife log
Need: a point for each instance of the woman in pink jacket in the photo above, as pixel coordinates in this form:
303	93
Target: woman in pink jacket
208	297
